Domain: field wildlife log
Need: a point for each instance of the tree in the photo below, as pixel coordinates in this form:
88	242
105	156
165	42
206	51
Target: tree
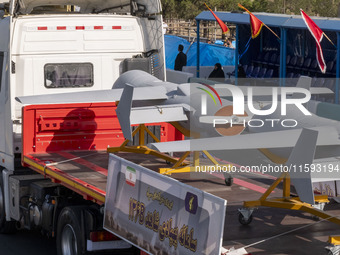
259	6
187	9
168	7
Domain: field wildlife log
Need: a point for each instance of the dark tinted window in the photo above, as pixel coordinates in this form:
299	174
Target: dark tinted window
68	75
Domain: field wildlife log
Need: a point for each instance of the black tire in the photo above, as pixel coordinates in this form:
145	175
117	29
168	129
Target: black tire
6	227
243	221
70	238
229	181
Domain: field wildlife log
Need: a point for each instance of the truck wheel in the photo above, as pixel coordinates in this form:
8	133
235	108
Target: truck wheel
229	181
6	227
70	239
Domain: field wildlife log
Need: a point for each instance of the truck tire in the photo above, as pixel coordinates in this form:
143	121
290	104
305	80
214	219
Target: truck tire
6	227
70	238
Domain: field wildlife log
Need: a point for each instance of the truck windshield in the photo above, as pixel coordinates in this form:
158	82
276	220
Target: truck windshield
23	7
68	75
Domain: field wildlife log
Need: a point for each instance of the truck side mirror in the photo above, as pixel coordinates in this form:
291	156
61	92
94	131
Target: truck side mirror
138	9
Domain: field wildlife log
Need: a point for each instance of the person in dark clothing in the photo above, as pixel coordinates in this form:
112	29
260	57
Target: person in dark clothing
241	73
181	59
217	74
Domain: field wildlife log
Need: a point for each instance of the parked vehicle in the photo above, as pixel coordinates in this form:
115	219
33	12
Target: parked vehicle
66	47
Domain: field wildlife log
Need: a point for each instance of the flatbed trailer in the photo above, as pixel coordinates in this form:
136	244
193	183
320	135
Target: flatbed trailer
67	144
84	132
83	172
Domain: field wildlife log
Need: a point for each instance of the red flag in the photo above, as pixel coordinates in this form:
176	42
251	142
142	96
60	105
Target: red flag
317	33
219	21
255	24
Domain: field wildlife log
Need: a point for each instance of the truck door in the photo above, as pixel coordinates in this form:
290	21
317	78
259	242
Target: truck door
6	124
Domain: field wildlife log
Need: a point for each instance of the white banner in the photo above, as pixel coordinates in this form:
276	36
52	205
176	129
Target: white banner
161	215
328	188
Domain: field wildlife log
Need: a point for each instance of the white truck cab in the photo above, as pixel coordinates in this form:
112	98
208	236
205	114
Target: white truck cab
61	46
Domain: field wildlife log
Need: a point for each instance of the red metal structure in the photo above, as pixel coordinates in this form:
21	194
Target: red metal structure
67	143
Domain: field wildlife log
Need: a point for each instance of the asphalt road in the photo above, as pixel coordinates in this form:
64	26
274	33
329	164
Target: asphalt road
273	231
27	243
33	243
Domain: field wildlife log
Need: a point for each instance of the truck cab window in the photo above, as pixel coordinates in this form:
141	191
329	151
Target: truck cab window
68	75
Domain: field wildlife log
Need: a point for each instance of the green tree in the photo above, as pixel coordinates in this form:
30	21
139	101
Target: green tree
190	9
168	7
324	8
187	9
259	6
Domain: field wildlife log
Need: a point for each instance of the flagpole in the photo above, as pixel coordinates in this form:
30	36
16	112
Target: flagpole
271	31
261	21
303	14
329	39
223	26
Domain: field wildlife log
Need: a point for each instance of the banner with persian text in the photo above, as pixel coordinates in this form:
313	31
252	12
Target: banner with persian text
161	215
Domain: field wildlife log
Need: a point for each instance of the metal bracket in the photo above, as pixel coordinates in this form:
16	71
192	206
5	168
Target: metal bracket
333	249
179	165
319	206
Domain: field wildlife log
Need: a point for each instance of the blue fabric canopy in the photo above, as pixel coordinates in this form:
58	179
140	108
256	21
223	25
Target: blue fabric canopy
210	53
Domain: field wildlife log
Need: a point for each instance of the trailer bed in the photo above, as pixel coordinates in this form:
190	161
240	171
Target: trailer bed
83	171
67	143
